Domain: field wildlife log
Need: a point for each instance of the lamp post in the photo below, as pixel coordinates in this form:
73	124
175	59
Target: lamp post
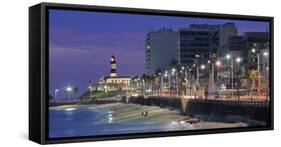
228	57
161	83
105	90
56	94
265	71
238	60
169	81
185	79
69	90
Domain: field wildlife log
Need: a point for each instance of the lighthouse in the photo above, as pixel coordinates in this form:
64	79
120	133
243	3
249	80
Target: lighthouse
113	67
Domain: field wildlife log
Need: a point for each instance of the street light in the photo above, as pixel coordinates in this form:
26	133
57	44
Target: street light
253	50
56	93
68	89
202	66
218	63
228	56
238	59
265	53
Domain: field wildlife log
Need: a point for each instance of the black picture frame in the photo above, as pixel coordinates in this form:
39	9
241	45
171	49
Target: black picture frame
38	71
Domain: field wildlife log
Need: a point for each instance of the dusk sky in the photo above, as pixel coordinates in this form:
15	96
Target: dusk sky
81	43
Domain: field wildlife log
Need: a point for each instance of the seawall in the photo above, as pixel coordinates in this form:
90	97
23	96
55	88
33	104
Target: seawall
256	110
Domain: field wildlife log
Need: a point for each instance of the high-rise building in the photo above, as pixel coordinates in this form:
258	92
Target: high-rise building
160	49
197	40
225	32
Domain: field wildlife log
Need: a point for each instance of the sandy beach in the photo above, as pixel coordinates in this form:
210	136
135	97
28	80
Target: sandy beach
128	118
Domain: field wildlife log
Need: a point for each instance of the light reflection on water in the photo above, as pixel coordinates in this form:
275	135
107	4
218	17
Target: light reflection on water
91	121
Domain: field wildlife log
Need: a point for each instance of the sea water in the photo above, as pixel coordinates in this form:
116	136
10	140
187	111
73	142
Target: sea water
93	121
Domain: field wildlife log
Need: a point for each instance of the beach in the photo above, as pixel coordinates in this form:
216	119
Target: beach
118	118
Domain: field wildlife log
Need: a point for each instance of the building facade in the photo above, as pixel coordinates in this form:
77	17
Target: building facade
160	49
199	40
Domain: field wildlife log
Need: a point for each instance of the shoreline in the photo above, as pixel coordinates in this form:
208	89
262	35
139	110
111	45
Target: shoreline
122	113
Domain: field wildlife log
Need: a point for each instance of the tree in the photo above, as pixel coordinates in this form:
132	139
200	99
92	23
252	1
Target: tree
50	97
253	76
75	90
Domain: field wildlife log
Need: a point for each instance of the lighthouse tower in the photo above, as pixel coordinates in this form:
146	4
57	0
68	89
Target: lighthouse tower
113	67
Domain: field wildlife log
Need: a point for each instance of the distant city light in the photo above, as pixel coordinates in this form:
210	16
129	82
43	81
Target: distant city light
148	46
182	68
209	61
173	70
265	53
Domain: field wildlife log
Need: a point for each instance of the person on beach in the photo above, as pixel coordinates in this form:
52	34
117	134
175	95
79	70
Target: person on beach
146	113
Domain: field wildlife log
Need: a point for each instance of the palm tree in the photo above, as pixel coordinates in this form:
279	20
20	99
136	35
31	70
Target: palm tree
174	65
253	76
75	90
50	97
143	83
134	81
157	80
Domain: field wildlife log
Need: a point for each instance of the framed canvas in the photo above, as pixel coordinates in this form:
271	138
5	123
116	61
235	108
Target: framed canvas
103	73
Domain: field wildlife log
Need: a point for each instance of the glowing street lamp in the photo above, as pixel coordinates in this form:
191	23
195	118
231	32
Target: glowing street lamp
228	56
218	63
69	89
202	66
253	50
238	59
